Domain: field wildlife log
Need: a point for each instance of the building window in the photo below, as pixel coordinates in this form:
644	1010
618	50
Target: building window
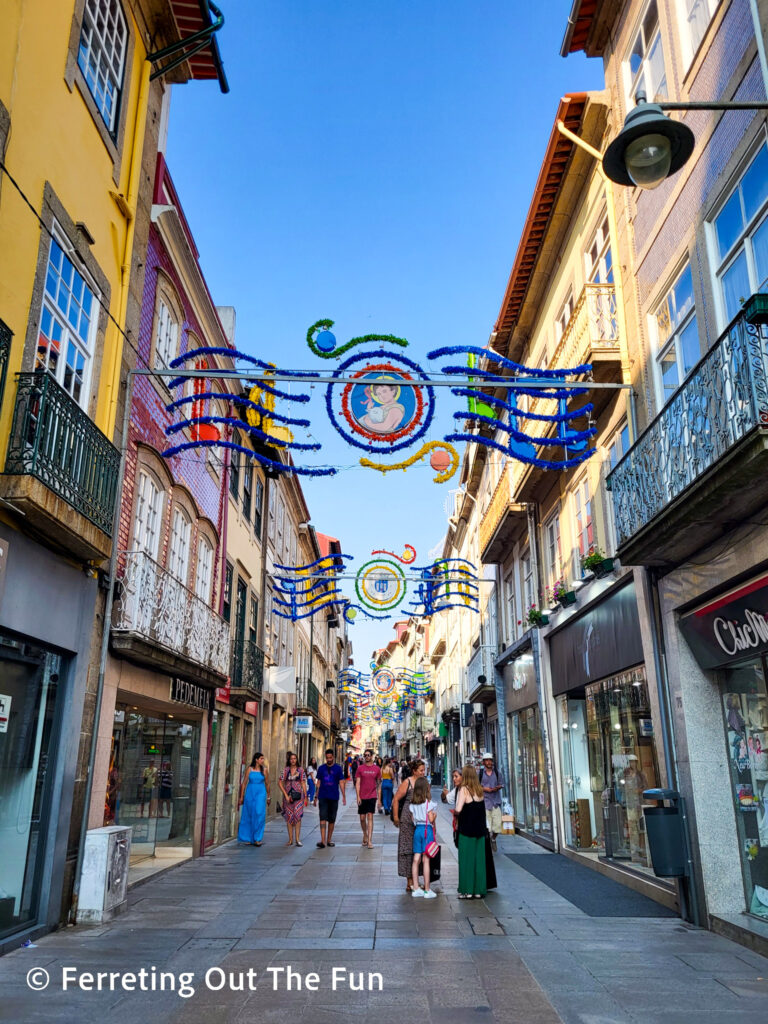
253	622
511	608
280	524
618	446
598	258
582	514
247	497
203	571
258	505
181	530
677	336
65	340
166	334
226	609
552	539
146	525
563	317
646	59
529	589
698	14
101	57
741	237
234	467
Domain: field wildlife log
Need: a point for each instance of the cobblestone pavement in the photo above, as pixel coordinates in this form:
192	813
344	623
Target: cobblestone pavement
524	954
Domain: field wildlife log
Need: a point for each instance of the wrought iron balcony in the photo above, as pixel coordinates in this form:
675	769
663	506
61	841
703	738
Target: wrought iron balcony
481	674
159	622
701	464
307	696
246	668
6	334
53	441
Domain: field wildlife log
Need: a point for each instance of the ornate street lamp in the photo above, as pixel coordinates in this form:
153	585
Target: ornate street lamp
651	147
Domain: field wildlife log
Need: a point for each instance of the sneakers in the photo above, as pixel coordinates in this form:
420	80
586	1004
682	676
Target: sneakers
418	894
430	895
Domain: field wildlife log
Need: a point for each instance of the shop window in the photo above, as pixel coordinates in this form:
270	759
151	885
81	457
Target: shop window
68	324
203	571
741	237
530	785
258	505
745	712
645	63
101	56
146	523
677	336
181	531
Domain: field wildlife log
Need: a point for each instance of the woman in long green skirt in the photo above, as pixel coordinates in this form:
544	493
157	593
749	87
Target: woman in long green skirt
470	809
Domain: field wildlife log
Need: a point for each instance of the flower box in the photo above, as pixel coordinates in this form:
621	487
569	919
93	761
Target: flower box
543	621
566	599
756	309
603	567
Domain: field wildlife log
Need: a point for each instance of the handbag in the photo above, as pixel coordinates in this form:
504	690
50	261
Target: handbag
431	849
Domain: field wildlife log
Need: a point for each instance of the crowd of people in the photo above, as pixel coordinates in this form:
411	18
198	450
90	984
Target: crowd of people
399	789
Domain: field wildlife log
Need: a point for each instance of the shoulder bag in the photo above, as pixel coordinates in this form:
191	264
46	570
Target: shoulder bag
431	849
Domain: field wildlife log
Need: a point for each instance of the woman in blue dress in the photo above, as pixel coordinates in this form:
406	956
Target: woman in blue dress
254	798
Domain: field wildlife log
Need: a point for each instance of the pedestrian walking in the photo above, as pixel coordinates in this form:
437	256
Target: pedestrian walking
330	777
368	790
293	784
423	814
254	800
492	782
311	778
470	808
387	786
448	796
402	820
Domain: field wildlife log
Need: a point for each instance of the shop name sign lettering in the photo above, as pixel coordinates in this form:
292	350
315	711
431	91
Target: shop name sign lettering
191	694
727	628
734	636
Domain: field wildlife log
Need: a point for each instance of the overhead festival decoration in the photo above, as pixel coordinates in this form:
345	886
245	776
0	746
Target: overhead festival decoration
258	419
302	591
551	385
384	694
444	459
323	343
380	584
408	556
447	583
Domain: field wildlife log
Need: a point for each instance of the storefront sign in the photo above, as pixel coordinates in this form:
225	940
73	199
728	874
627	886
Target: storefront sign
730	628
252	707
603	641
427	723
302	723
5	711
191	694
520	682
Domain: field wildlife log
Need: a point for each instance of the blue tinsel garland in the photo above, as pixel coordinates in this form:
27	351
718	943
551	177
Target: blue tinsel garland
563	417
528	459
238	400
494	357
518	435
234	354
311	565
245	428
279	466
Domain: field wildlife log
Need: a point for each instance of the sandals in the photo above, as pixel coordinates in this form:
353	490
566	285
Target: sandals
301	844
330	844
290	843
321	846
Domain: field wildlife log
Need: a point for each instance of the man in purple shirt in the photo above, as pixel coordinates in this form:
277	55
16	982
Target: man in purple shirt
329	777
368	790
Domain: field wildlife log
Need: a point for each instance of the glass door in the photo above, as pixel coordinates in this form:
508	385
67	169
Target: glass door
29	678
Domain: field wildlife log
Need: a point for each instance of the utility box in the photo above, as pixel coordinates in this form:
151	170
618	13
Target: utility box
665	829
104	880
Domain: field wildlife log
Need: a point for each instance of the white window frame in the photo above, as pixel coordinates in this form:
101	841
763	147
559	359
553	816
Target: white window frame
529	584
511	611
148	515
582	527
563	317
64	298
101	57
203	569
178	553
552	540
598	270
723	262
618	444
691	12
642	77
166	346
674	339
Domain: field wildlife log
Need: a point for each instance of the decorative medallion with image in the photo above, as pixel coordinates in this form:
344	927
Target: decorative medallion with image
380	584
383	680
385	411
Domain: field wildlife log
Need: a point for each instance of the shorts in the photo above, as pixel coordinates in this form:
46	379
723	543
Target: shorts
493	820
367	806
328	809
420	840
166	793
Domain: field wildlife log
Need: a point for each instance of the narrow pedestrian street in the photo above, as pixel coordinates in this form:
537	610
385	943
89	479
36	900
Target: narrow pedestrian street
523	954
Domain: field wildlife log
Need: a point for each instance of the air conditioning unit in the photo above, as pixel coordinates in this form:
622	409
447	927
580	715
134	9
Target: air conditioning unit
104	879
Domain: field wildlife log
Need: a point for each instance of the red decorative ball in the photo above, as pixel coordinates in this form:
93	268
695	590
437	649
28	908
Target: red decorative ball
440	460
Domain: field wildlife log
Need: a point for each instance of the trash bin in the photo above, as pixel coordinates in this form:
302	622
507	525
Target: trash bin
666	836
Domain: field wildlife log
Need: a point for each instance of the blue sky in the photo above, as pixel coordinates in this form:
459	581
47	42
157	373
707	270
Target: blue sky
372	164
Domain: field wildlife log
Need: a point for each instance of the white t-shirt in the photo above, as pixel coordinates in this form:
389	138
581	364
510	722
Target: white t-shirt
419	812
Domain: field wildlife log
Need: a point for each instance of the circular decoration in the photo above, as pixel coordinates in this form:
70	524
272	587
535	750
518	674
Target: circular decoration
350	614
325	341
384	411
380	584
383	681
440	460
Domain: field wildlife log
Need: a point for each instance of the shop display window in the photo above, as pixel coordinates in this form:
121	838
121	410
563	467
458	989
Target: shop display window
583	808
745	712
533	805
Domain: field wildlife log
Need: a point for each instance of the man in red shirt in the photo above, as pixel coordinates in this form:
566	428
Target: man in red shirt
368	789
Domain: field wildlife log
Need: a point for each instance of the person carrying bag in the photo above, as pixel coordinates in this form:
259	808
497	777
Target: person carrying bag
425	847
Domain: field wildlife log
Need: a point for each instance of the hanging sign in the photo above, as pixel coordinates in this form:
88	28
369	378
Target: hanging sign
5	711
302	723
191	694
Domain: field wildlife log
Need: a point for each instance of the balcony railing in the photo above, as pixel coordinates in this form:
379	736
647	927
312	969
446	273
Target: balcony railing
53	439
246	666
307	695
481	664
724	399
6	335
154	605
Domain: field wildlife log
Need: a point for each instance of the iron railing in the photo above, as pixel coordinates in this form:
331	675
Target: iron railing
53	439
307	695
158	607
246	666
6	334
724	398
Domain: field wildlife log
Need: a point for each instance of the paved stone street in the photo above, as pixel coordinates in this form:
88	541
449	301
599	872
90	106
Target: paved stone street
524	954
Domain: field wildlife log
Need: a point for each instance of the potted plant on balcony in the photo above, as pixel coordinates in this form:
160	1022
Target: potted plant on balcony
597	563
536	617
562	594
